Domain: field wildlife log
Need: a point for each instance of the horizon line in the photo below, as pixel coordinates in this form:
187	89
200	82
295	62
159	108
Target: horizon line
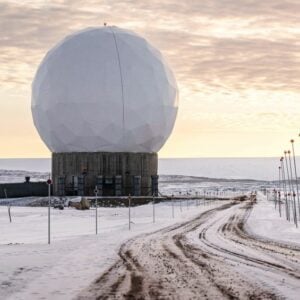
181	157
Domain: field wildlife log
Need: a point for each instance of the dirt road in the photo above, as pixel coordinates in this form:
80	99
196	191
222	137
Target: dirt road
209	257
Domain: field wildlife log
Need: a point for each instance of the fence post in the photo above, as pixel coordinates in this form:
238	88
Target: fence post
153	208
129	215
8	207
173	206
287	213
279	189
279	203
9	214
49	182
96	204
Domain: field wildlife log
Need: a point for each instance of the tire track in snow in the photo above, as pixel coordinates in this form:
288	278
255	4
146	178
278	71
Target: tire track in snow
274	264
167	264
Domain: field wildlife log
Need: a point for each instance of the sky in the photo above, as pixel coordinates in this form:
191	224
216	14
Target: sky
237	64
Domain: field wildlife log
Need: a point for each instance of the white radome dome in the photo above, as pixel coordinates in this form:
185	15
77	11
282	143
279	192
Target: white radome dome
104	89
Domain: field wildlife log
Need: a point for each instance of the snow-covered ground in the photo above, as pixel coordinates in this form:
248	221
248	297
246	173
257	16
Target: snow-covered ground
264	221
211	256
32	269
261	264
178	184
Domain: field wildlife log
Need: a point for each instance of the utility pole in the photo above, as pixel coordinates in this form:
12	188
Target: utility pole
279	191
296	177
293	191
8	207
288	178
287	210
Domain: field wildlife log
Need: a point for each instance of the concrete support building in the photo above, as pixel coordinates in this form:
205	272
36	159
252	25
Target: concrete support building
114	174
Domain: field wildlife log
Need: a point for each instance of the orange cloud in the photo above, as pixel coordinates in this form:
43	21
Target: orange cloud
237	64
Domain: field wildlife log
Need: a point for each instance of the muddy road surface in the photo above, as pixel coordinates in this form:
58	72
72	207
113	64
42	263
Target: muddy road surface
209	257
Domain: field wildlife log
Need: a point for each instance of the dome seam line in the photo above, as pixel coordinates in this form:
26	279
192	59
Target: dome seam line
121	78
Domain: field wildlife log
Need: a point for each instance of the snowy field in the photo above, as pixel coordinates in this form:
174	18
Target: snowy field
31	269
264	221
212	256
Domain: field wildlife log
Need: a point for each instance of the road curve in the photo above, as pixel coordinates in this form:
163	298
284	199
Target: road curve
209	257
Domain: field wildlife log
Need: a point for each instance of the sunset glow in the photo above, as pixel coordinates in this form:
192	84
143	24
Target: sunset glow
237	64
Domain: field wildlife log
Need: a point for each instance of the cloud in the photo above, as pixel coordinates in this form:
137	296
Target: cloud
236	62
220	44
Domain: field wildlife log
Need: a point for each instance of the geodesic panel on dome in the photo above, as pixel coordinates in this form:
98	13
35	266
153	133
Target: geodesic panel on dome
104	89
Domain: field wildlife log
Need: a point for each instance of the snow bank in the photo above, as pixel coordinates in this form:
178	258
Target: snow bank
264	221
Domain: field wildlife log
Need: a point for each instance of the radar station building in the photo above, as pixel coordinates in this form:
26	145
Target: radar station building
104	101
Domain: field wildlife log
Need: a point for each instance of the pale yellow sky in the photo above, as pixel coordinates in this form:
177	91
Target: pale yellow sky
237	63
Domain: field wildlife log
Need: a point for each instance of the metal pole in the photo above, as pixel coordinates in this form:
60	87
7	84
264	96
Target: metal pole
49	205
295	209
293	191
173	206
9	214
296	178
96	192
286	191
287	210
129	215
279	200
8	207
288	178
153	207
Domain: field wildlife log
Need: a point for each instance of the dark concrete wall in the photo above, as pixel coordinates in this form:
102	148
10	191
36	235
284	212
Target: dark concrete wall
15	190
106	164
